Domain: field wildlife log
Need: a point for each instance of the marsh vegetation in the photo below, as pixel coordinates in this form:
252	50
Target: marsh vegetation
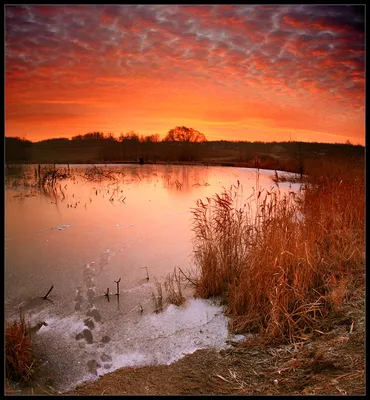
284	263
286	259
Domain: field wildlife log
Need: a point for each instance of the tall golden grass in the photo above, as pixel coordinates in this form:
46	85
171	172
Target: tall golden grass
283	262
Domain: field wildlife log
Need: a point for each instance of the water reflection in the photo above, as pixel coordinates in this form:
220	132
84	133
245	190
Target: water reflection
139	215
98	225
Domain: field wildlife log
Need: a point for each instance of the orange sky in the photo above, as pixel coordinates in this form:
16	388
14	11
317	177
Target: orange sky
241	72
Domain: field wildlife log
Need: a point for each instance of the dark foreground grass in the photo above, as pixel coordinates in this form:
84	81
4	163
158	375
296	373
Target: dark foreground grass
284	264
19	359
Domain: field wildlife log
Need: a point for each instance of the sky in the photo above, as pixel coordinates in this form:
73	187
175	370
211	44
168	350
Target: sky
232	72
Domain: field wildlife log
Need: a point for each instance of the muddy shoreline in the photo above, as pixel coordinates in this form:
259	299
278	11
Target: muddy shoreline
330	363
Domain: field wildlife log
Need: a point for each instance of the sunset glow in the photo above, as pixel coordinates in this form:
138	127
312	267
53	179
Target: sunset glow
232	72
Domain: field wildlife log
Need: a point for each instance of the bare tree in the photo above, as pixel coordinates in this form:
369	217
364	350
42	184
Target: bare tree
184	134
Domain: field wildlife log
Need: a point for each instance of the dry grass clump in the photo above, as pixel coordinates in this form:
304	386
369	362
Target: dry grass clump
158	299
283	262
19	359
222	239
172	285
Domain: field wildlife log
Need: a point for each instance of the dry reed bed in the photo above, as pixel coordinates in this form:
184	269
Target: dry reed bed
18	353
283	263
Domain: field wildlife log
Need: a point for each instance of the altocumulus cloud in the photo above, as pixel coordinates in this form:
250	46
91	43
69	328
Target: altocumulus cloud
301	49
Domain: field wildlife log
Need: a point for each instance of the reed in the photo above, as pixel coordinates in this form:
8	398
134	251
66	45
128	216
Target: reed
17	175
94	173
172	284
19	359
158	299
283	263
50	176
14	170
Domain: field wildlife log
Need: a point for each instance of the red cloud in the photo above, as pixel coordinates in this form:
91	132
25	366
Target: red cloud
182	60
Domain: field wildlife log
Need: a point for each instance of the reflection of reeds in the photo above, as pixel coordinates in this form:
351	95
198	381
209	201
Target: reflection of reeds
172	285
178	184
94	173
289	263
50	176
18	175
61	191
18	355
14	170
45	179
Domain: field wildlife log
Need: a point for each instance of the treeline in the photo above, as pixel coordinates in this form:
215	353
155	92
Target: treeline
183	145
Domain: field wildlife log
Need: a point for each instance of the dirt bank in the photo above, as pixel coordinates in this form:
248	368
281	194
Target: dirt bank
331	363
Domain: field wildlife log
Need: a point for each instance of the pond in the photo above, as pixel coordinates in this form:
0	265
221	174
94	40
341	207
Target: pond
130	224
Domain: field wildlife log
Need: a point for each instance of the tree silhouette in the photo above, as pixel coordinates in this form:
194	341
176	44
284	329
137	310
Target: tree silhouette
184	134
17	149
129	136
90	136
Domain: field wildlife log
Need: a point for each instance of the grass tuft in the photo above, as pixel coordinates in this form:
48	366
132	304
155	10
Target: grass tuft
158	299
173	288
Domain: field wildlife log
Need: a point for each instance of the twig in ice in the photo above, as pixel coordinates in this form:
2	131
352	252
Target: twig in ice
107	294
117	282
47	294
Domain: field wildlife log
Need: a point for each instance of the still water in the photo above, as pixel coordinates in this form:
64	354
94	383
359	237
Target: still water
133	224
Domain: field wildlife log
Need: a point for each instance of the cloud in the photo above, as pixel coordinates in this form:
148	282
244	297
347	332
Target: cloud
114	51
